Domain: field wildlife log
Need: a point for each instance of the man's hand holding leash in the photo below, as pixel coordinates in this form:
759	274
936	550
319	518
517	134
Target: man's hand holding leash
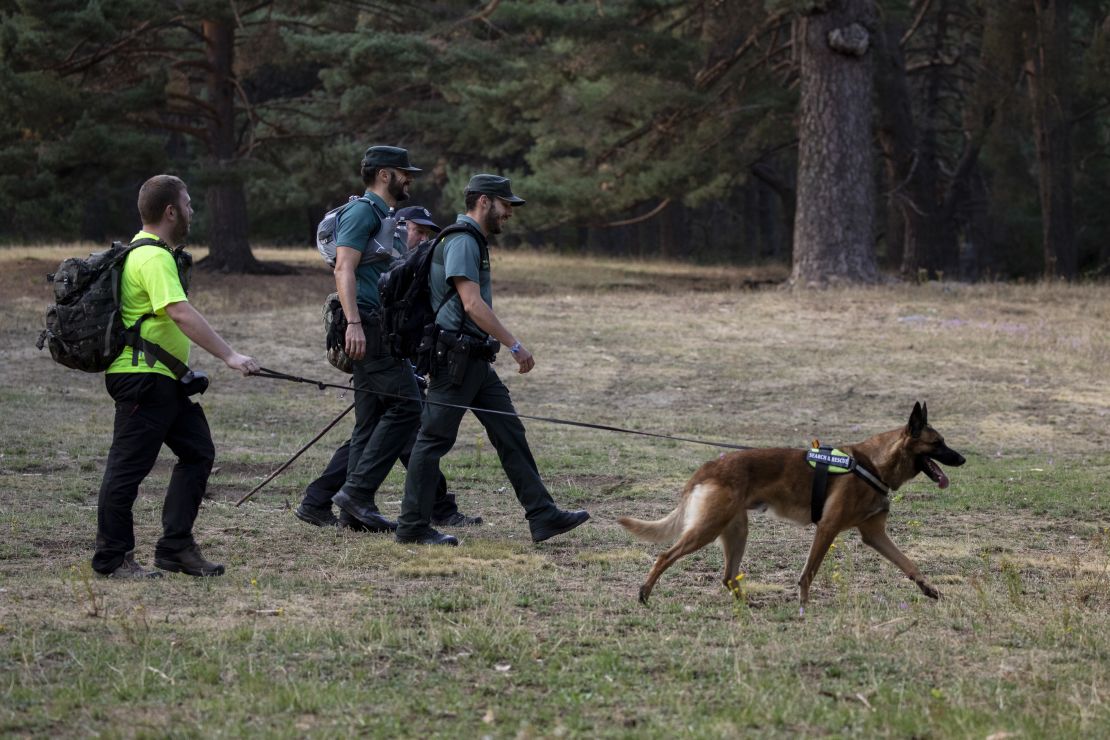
244	364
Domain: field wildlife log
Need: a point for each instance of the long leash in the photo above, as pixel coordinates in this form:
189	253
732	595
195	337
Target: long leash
275	375
296	454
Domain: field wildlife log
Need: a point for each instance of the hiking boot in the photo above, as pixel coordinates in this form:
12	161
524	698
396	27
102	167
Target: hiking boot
430	537
188	561
458	519
561	521
373	523
129	569
317	516
361	517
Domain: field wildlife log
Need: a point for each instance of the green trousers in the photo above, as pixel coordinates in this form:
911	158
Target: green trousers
439	427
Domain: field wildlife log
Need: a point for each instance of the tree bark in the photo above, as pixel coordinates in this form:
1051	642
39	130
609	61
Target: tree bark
835	220
1050	91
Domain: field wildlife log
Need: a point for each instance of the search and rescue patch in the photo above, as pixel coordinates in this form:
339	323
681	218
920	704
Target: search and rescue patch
838	461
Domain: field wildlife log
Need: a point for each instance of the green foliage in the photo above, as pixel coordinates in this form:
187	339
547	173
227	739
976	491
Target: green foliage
599	111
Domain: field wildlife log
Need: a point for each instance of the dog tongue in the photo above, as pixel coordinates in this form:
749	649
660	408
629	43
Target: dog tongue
936	473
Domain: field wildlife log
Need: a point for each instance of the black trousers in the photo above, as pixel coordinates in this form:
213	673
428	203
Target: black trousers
151	409
320	491
439	426
384	424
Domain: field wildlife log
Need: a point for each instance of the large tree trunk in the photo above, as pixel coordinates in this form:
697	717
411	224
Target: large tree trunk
1050	90
835	220
226	200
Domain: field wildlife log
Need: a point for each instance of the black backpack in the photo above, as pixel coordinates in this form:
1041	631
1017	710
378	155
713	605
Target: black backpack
84	326
407	315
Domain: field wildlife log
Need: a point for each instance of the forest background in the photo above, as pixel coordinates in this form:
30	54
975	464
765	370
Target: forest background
846	138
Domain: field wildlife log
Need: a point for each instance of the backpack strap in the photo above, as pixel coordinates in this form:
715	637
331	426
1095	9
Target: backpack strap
439	258
377	212
133	335
151	351
146	241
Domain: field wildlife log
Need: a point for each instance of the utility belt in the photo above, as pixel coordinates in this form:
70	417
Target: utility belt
455	349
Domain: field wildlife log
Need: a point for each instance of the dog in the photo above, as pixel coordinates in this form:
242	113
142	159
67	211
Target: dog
716	500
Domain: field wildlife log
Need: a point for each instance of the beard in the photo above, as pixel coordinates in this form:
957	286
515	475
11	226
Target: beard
492	222
397	188
180	232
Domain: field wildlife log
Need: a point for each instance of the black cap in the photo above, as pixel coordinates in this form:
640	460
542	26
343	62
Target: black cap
494	185
417	215
388	156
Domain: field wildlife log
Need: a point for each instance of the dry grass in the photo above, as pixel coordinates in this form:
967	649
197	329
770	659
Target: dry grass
317	632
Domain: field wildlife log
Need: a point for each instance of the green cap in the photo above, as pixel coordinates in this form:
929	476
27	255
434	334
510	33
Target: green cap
494	185
388	156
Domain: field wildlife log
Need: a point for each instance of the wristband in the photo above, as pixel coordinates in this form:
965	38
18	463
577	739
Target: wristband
352	323
516	347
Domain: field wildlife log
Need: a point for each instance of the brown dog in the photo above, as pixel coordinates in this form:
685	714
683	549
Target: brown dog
716	500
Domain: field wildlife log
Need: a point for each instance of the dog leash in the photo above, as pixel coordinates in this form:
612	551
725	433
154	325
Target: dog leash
276	375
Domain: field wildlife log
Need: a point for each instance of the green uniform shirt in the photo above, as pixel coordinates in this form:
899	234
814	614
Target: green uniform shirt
150	283
355	226
462	257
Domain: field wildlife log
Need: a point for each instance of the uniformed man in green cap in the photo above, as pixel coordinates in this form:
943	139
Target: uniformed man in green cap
469	335
383	423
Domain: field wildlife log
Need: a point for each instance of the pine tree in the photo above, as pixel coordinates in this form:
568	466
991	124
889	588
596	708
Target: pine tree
834	230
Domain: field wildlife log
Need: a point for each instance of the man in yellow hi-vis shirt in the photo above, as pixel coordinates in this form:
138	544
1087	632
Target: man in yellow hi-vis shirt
152	405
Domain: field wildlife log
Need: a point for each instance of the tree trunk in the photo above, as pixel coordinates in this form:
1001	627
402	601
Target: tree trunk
1050	91
229	249
977	255
835	220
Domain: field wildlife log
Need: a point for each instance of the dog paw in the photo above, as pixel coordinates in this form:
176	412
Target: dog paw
928	590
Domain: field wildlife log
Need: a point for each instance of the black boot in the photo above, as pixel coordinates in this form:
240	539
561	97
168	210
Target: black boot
559	522
317	516
361	516
129	569
188	561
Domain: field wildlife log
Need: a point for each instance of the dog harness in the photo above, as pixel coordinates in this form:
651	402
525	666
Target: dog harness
826	460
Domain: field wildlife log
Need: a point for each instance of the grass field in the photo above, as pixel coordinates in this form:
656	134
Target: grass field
316	632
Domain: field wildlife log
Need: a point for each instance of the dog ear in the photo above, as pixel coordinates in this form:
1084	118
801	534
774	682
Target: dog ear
925	413
917	421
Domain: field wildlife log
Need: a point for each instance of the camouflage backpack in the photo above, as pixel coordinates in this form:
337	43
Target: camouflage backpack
335	332
84	326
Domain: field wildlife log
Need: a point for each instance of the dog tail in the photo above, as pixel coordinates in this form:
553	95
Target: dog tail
661	530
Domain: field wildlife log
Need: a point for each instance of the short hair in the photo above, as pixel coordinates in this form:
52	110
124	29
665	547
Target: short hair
370	174
472	199
157	193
